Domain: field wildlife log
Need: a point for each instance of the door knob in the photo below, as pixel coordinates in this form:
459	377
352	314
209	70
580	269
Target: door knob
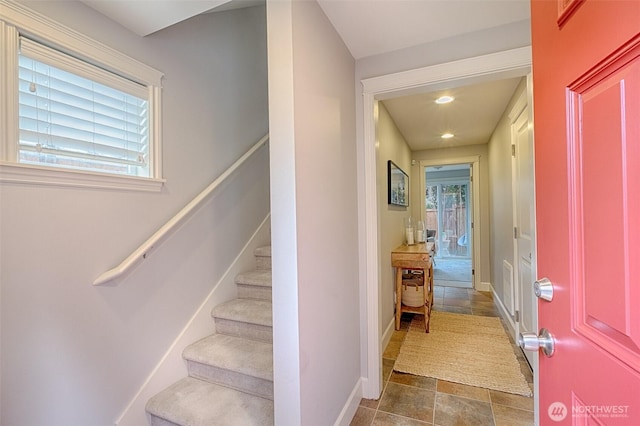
543	288
531	342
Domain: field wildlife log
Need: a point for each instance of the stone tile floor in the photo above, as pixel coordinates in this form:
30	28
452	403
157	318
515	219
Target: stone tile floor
409	400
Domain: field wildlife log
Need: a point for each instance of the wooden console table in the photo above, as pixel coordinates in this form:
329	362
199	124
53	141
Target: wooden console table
414	257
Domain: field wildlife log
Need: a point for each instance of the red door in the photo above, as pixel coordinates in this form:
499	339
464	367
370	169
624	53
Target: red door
586	70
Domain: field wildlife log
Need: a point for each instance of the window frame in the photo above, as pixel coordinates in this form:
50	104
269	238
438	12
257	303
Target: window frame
16	20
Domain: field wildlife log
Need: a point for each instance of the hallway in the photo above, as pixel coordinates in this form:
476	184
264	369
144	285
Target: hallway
414	400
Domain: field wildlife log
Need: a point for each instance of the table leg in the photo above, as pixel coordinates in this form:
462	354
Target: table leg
431	282
428	296
427	302
398	297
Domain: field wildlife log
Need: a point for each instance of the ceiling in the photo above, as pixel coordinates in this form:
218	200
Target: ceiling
471	117
145	17
372	27
368	27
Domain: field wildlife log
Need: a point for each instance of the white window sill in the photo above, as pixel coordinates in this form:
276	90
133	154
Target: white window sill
47	176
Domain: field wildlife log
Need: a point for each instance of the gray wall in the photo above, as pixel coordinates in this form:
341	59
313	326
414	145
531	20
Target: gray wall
391	146
314	215
74	354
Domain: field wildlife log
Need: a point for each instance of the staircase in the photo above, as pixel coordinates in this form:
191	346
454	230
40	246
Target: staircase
230	378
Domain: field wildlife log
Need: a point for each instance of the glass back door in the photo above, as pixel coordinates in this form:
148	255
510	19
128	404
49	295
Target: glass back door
448	213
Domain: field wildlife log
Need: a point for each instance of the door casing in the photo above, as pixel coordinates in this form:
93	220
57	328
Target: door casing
505	64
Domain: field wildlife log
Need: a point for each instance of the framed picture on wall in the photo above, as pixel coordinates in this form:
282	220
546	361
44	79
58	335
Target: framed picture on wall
398	183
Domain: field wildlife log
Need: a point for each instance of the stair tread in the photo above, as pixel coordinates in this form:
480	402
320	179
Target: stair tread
264	251
252	311
195	402
257	278
249	357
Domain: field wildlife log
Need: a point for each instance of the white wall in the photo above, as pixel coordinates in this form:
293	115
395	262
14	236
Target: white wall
497	39
314	221
391	146
75	354
501	196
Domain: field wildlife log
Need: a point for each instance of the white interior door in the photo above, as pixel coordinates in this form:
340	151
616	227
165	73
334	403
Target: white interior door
524	224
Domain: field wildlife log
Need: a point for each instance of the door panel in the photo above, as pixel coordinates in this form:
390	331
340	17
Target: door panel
587	139
606	191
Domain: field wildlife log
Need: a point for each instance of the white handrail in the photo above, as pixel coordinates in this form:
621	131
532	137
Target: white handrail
144	250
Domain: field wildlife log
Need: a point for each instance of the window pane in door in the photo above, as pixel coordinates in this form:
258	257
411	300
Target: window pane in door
431	211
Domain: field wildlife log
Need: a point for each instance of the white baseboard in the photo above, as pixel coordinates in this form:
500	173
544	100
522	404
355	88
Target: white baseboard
351	406
504	313
386	336
171	367
484	286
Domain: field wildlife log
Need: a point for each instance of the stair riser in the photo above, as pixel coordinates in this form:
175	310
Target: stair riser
247	291
242	329
242	382
263	263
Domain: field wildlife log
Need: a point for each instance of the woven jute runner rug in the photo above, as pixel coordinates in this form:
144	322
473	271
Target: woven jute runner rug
468	349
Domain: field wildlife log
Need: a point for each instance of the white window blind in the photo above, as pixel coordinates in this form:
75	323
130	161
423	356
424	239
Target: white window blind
75	115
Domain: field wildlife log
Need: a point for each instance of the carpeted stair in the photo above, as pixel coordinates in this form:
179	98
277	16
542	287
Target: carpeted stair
230	378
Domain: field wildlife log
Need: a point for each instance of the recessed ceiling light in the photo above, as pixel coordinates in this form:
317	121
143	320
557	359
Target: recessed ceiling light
444	99
447	135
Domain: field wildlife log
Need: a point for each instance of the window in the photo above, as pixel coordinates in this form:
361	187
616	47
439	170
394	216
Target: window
66	120
76	112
